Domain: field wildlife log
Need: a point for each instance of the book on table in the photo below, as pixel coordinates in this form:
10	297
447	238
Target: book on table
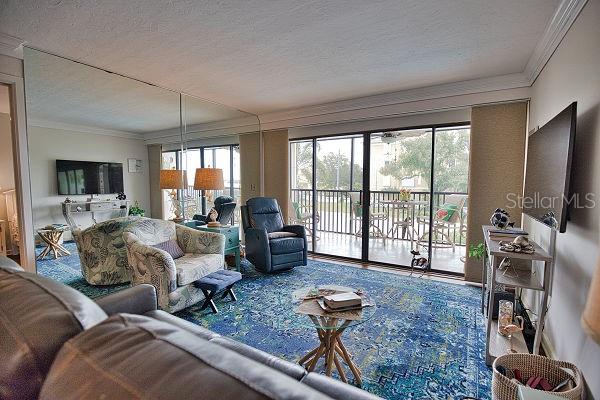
342	300
506	234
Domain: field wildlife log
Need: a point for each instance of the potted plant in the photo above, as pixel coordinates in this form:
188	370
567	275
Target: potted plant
477	251
404	194
135	210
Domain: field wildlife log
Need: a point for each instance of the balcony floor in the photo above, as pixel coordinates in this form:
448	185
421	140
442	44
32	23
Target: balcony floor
392	251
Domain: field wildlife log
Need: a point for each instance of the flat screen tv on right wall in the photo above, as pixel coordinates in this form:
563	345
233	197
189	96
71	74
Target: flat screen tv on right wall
548	194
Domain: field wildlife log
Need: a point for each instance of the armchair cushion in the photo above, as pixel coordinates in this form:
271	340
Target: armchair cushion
102	251
446	212
171	247
279	235
264	214
199	242
192	267
286	245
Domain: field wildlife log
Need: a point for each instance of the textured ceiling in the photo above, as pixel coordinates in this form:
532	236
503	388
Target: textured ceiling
64	91
265	55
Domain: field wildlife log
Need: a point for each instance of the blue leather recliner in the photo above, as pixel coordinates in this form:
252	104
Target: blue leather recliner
225	207
271	245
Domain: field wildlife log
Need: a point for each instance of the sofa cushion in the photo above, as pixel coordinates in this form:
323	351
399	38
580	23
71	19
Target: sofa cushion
192	267
135	357
171	247
7	263
37	316
286	245
335	388
296	371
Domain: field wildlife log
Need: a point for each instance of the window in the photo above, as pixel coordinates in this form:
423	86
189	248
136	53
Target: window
225	157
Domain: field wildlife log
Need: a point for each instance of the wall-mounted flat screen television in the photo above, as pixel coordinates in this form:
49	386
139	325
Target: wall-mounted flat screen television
547	193
88	177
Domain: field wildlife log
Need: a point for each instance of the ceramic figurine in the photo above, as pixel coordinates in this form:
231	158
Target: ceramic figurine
550	219
500	218
121	196
212	217
519	245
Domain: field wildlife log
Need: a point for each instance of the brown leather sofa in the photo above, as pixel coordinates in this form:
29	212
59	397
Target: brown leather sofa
58	344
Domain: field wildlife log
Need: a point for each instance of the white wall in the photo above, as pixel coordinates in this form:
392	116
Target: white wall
47	145
573	74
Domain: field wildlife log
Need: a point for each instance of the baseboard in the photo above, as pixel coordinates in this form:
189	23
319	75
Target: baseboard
548	347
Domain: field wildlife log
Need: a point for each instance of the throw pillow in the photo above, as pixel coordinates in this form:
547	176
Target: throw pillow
279	235
171	247
446	212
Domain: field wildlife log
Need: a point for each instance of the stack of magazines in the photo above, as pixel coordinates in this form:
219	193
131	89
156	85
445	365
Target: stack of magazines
506	235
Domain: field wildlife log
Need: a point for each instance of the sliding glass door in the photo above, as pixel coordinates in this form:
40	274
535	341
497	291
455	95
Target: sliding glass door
400	193
338	184
450	182
379	196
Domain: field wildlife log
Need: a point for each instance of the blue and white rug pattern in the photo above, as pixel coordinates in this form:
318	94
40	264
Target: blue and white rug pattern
425	341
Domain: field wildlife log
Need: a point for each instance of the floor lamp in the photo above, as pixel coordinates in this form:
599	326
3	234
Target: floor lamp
173	179
209	179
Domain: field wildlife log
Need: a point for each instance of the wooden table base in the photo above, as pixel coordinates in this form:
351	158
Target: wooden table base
331	349
52	239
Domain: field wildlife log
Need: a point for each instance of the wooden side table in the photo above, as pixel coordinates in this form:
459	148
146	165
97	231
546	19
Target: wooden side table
330	326
52	239
232	240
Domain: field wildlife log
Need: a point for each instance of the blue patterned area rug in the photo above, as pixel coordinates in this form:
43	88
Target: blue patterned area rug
425	341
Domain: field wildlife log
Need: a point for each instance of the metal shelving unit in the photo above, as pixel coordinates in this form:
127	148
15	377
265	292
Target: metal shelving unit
496	344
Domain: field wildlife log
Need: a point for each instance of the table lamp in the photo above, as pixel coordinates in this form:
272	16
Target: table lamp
209	179
591	315
173	179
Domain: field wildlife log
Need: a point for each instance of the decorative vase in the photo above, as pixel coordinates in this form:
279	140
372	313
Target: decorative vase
500	218
505	316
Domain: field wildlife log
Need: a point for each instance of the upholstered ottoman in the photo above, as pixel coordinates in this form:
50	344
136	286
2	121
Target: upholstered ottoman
213	283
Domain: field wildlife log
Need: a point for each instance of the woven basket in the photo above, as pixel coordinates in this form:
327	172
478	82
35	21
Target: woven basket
531	365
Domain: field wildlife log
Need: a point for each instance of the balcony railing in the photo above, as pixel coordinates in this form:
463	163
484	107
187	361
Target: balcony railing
334	208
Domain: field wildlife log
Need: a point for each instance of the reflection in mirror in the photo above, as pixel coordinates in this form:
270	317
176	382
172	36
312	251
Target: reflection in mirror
211	158
89	162
104	149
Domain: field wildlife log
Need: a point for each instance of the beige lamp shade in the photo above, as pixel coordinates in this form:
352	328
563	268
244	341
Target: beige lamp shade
209	179
591	315
172	179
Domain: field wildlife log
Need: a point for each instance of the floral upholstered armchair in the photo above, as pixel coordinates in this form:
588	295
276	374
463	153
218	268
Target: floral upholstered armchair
202	253
102	252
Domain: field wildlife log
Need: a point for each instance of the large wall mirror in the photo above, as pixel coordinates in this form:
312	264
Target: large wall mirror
103	146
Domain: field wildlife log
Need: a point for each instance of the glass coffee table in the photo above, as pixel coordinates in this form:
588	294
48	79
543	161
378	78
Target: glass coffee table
330	326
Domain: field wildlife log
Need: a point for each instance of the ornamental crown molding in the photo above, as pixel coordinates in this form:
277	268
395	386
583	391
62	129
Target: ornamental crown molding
557	28
81	129
474	86
11	46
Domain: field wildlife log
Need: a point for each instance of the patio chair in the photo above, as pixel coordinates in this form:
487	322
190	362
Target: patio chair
449	217
374	217
302	215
